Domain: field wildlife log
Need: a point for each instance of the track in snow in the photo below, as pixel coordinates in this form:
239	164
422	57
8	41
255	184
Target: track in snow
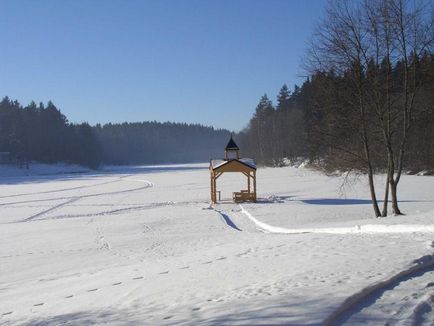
394	301
367	228
397	300
147	184
122	281
65	189
231	215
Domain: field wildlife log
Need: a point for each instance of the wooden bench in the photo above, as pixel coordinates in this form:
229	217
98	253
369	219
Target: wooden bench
243	195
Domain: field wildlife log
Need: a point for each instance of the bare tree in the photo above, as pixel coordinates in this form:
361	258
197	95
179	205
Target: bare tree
340	45
377	43
400	32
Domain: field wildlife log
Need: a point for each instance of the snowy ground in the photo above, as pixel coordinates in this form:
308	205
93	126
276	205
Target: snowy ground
143	245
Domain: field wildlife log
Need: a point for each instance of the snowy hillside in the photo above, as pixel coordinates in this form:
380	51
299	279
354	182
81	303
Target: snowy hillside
142	245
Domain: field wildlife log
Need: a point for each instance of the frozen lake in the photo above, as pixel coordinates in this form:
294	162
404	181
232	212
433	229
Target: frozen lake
143	245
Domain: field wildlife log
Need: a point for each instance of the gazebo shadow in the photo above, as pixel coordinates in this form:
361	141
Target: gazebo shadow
228	220
349	201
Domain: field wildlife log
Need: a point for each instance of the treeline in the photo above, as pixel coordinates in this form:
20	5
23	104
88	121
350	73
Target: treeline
42	133
155	142
368	104
315	122
279	132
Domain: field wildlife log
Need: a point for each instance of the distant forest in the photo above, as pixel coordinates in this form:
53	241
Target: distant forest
368	105
318	122
155	142
42	133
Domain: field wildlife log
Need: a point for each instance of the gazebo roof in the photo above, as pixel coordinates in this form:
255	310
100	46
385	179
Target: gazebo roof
215	164
232	145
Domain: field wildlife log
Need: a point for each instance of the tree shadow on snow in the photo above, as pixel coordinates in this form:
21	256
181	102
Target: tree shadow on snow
85	318
277	312
337	201
300	311
348	201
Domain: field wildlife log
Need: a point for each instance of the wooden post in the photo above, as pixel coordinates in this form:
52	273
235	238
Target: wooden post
248	183
215	190
212	186
254	183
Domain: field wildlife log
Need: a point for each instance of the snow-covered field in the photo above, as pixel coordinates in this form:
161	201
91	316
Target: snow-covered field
142	245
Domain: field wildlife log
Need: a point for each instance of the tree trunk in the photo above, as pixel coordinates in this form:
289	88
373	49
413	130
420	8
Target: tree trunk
372	191
393	192
365	140
386	198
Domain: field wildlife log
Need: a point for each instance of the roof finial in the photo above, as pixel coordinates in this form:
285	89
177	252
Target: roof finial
232	145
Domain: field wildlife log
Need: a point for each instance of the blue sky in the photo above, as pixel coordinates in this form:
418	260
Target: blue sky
180	60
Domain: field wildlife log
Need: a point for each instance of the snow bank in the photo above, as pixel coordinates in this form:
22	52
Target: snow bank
367	228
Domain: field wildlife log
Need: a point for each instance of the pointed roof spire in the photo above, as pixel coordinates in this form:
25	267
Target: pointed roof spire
232	145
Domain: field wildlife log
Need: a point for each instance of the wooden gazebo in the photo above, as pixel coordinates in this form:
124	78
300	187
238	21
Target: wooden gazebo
233	163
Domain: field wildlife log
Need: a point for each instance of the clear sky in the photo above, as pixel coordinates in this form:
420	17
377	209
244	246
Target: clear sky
180	60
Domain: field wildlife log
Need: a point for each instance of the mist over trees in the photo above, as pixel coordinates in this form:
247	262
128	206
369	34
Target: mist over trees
155	142
42	133
368	103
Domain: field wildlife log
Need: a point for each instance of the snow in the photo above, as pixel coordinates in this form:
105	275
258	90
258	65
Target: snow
39	169
248	161
367	228
143	245
217	163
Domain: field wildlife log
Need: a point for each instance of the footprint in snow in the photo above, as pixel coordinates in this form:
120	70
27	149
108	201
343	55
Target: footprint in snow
167	317
92	290
138	278
117	283
38	304
7	313
195	309
185	267
69	296
221	258
166	272
207	262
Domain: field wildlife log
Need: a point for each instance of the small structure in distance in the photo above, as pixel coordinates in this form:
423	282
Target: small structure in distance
233	163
